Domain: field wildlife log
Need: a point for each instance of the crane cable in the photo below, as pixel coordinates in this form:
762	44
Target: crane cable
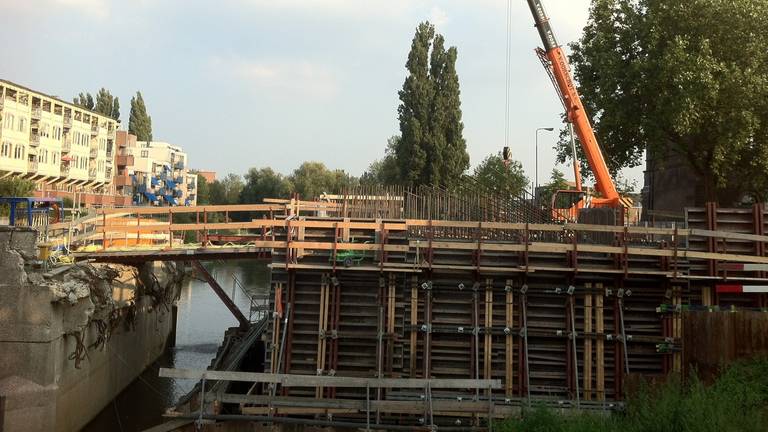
508	84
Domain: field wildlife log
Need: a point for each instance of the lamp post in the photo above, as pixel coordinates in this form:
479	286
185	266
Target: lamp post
536	187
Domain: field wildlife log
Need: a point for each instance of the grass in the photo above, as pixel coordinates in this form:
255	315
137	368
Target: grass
737	401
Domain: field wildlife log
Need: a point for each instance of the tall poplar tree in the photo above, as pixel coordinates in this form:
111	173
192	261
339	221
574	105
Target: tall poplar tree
140	123
432	149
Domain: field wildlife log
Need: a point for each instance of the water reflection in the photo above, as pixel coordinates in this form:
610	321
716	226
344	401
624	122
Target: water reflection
202	320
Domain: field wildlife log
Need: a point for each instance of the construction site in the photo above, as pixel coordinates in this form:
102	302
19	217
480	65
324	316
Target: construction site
389	307
397	308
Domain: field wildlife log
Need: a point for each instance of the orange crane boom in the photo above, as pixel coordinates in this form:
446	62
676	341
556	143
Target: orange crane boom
561	73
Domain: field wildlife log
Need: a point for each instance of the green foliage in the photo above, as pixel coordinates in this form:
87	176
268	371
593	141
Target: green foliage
225	191
680	78
312	179
16	187
84	100
203	191
383	171
503	180
737	401
556	182
432	149
107	104
140	123
263	183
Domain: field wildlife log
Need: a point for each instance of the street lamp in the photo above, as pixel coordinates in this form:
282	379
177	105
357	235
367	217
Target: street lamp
536	188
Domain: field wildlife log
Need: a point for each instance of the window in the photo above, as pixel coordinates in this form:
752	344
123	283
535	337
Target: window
55	156
145	153
5	151
22	124
18	152
9	121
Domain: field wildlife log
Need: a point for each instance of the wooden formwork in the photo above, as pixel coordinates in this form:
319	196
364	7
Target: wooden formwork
437	299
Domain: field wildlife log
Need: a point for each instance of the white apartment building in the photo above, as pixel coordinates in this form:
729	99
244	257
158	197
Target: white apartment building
53	142
158	174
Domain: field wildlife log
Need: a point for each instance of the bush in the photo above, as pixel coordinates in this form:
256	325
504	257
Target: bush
737	401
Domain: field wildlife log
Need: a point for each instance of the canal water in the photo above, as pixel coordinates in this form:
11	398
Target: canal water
202	320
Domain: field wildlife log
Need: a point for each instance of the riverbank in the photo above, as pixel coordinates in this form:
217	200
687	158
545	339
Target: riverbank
737	401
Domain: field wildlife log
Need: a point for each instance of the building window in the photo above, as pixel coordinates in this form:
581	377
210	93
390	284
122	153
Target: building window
144	153
22	124
9	121
18	152
6	149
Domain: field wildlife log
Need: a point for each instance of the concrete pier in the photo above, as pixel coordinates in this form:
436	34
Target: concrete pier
72	339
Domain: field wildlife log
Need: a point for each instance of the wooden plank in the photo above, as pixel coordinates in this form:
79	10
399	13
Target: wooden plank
414	322
297	404
488	341
290	380
170	426
509	342
587	361
322	329
600	327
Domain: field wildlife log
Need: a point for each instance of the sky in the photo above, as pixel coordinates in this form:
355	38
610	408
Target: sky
254	83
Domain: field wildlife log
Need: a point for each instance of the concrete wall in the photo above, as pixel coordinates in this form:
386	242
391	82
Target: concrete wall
41	320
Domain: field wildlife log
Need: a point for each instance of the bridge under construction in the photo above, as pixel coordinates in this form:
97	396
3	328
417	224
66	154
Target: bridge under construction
406	309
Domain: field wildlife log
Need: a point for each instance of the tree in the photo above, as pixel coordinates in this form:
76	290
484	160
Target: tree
683	80
556	183
140	123
312	179
500	179
264	183
432	149
383	171
203	191
226	191
105	104
84	100
16	187
116	109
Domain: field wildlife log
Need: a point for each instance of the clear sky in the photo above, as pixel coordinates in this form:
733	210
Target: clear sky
251	83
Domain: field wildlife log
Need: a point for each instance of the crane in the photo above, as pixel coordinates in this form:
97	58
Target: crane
556	63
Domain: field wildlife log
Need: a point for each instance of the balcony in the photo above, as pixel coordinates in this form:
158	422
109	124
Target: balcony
32	165
34	139
123	180
66	144
64	169
92	174
179	165
94	153
124	160
37	112
95	129
67	122
191	185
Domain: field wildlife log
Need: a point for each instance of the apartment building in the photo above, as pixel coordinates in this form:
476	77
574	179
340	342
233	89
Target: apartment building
63	147
154	173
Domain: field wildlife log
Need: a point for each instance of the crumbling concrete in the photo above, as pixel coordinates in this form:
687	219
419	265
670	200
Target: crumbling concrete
71	340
